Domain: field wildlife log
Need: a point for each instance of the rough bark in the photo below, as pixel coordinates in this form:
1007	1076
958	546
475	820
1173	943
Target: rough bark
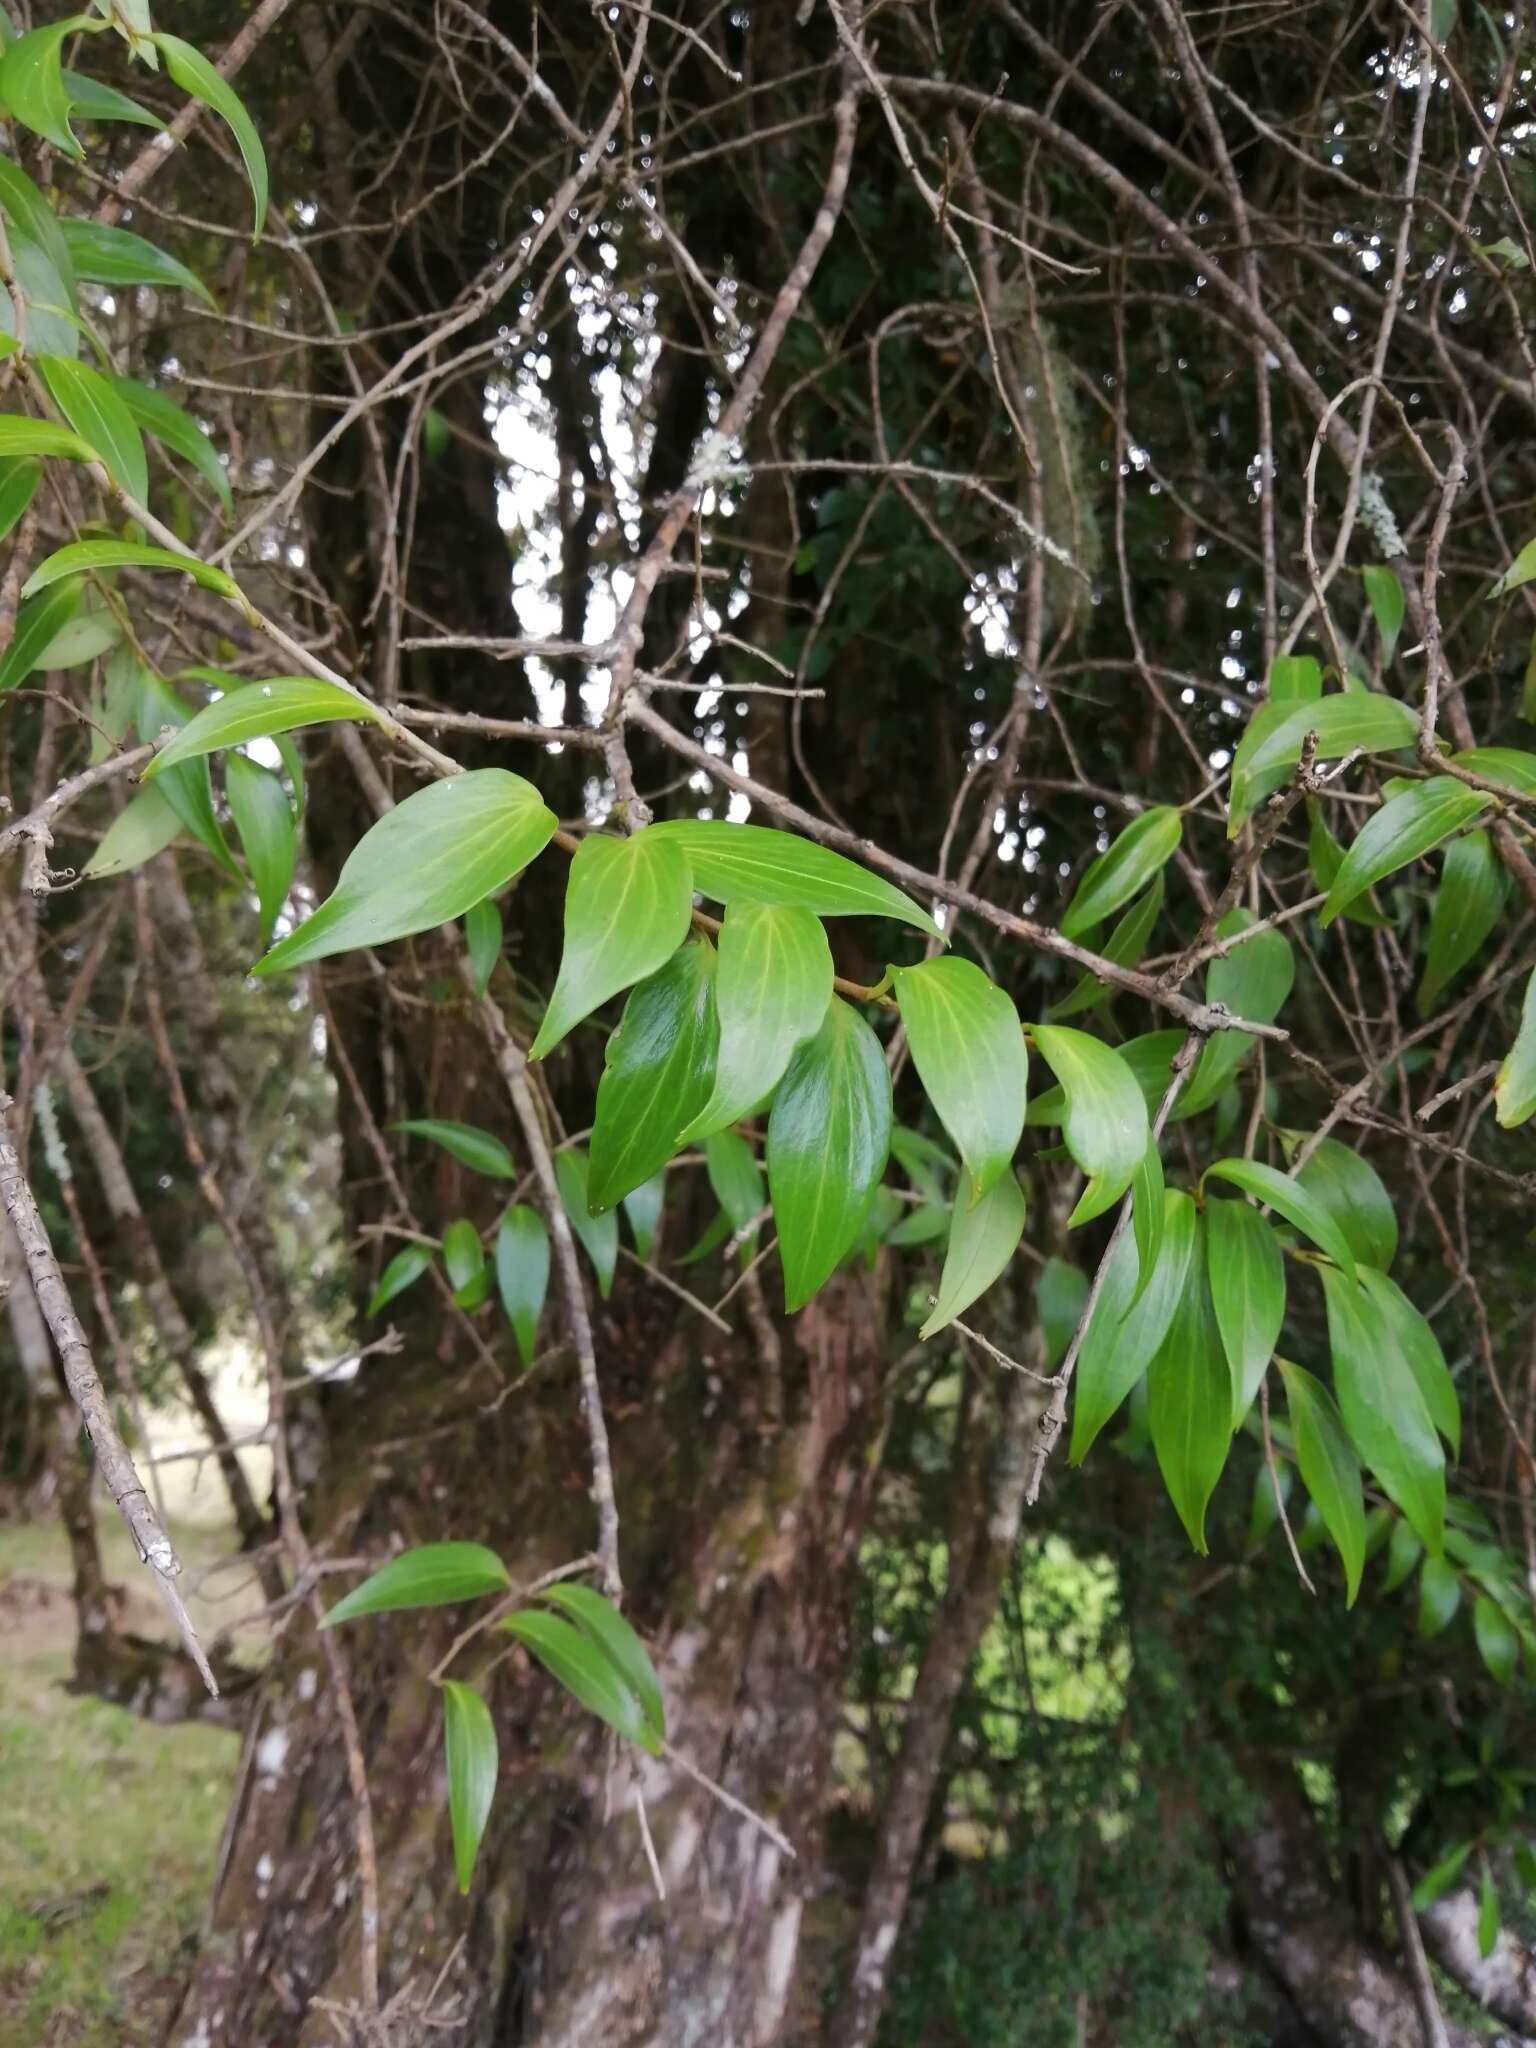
1504	1982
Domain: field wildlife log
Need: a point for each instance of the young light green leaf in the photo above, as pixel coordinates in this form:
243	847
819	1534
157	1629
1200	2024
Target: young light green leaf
403	1270
828	1139
481	1151
522	1274
482	939
32	80
98	415
1061	1293
600	1620
599	1235
1252	980
923	1225
1497	1643
656	1073
263	817
736	1180
1439	1596
773	983
1106	1126
1474	884
18	487
755	864
1295	679
1350	1189
252	711
423	864
1124	869
968	1048
1271	747
164	418
1126	1330
927	1165
114	256
1514	1090
1383	1409
190	69
1435	1883
642	1206
1124	946
101	555
1403	1554
627	909
433	1575
1294	1202
143	828
586	1672
469	1738
38	623
464	1257
1330	1470
982	1240
1411	825
41	437
91	630
1384	594
53	323
1189	1400
1247	1275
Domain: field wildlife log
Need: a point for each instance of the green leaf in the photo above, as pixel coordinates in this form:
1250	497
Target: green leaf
164	418
1474	885
1403	1554
1419	1347
627	909
1126	1331
828	1139
1061	1293
1189	1400
522	1274
114	256
602	1622
433	1575
1247	1275
93	629
469	1738
143	828
190	69
1411	825
1124	946
423	864
479	1150
599	1235
1350	1189
18	487
1123	870
1487	1902
1252	980
1435	1883
188	789
37	624
48	295
1514	1090
736	1178
33	218
482	937
755	864
93	101
1148	1211
100	555
922	1225
982	1241
252	711
1508	765
1271	747
1325	857
927	1165
1520	570
1329	1468
1294	1202
41	437
403	1270
98	415
968	1048
1384	594
263	817
585	1671
1497	1643
1383	1409
32	81
464	1257
656	1073
1106	1125
1296	678
642	1205
1439	1595
772	987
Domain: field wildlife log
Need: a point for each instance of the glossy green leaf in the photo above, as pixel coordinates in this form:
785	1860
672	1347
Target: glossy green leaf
1474	885
600	1620
1247	1276
586	1672
1403	1554
1123	870
1435	1883
469	1739
1125	1331
433	1575
1061	1294
1295	679
1189	1400
1124	946
1383	1409
1497	1642
657	1069
423	864
101	555
98	415
481	1151
1106	1125
642	1206
1439	1596
164	418
828	1139
773	983
464	1258
1511	766
143	828
1294	1202
1271	747
114	256
32	218
1384	594
522	1274
403	1270
1325	857
599	1235
1252	980
263	817
1148	1211
252	711
37	624
1403	830
755	864
32	80
1514	1090
1350	1189
1330	1469
18	487
982	1241
628	905
190	69
968	1048
482	938
41	437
